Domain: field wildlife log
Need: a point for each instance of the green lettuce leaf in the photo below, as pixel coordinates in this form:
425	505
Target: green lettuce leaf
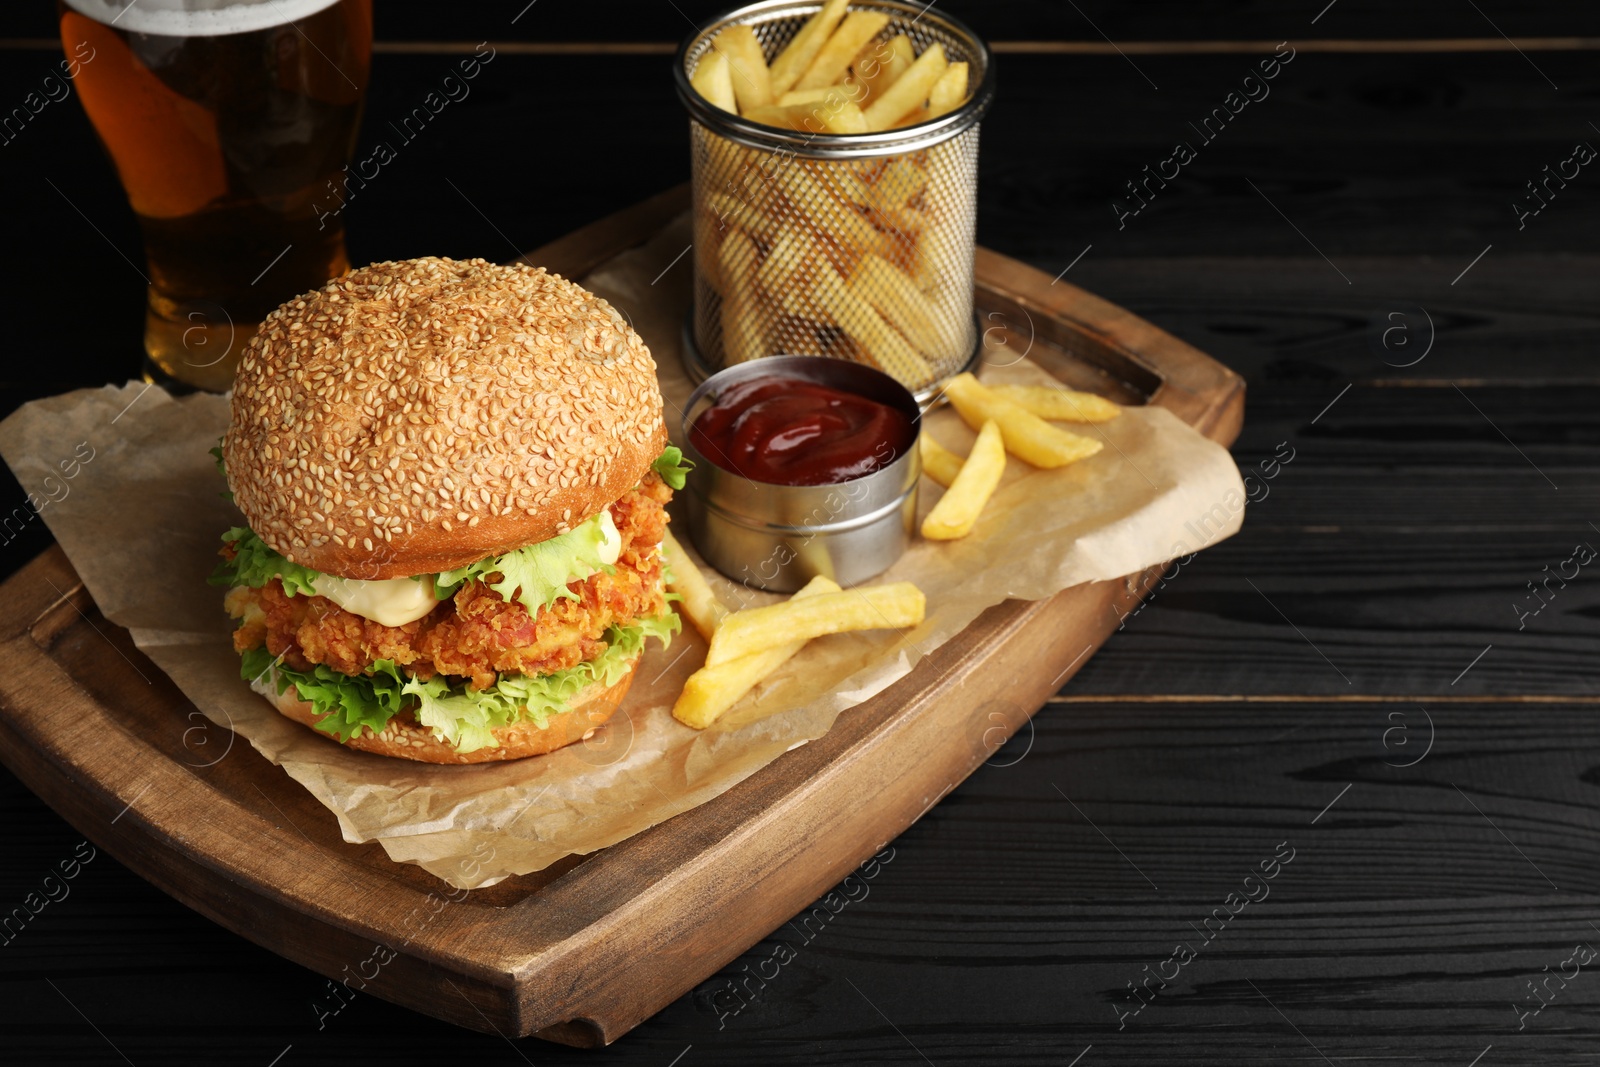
344	703
672	467
222	469
461	716
254	565
538	574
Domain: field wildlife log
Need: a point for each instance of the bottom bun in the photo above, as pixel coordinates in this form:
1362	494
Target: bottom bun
405	738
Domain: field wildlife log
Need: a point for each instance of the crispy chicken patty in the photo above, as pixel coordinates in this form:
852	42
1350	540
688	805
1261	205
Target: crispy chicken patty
476	634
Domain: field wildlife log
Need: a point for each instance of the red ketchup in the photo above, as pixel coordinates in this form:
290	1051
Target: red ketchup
789	431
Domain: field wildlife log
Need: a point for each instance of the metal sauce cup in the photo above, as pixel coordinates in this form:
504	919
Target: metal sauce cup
778	537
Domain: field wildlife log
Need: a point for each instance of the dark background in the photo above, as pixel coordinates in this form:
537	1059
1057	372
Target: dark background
1420	502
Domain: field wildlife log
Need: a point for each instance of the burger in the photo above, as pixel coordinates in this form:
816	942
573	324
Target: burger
452	475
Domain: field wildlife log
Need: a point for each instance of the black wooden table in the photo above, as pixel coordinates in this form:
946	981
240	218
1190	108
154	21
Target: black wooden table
1327	797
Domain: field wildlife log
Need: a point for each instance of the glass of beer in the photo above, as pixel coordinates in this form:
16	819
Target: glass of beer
230	123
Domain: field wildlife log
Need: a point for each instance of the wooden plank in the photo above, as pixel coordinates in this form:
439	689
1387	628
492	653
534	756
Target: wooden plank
585	952
1282	325
1404	927
1428	497
1422	181
1428	457
583	250
998	46
1043	20
1391	612
1402	919
1423	185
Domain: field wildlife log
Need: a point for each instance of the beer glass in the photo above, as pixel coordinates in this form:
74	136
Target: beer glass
230	123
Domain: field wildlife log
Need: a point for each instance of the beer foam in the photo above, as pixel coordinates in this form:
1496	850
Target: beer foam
197	18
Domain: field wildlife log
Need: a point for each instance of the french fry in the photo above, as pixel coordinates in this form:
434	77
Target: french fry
878	278
938	462
796	302
809	190
789	253
854	89
831	61
909	90
1060	405
804	46
743	315
784	273
884	212
751	176
859	84
708	231
814	96
729	211
879	607
947	157
786	117
728	170
882	62
948	93
879	342
752	85
901	182
1027	436
957	511
895	295
699	604
710	691
938	265
951	323
713	80
841	116
829	116
942	269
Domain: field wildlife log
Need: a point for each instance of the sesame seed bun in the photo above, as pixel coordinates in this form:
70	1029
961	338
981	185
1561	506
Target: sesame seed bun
405	738
418	416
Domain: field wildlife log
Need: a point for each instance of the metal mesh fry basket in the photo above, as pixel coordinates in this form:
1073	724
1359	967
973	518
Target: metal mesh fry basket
854	246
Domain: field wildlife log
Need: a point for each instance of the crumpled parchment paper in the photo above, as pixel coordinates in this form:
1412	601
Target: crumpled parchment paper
141	520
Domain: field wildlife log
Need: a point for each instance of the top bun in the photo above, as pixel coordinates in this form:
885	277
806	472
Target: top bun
419	416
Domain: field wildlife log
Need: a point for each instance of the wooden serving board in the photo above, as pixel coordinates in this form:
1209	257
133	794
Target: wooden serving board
584	951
